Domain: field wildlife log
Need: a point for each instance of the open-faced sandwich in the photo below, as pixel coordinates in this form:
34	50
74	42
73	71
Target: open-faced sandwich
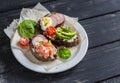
52	26
43	49
48	38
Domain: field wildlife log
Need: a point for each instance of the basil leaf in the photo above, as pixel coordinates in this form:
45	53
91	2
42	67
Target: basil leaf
27	28
64	53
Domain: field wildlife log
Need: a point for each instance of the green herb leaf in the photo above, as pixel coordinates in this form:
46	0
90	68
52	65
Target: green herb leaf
64	53
27	28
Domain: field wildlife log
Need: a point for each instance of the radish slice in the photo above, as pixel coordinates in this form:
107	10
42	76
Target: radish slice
54	20
57	18
57	21
37	40
61	17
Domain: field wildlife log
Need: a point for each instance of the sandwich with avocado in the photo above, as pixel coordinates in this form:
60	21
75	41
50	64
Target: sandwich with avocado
52	26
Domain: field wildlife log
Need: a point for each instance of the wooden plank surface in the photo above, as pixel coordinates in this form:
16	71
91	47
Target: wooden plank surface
99	63
115	79
85	8
7	5
76	8
104	26
91	27
101	30
88	62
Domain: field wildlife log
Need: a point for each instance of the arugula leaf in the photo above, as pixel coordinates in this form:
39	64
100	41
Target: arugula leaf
27	28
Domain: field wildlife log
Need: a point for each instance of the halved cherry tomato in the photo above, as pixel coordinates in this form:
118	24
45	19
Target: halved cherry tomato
51	31
24	41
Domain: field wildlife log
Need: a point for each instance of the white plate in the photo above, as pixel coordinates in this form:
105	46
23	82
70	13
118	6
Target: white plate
59	68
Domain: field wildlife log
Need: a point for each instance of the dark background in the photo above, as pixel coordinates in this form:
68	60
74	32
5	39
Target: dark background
101	20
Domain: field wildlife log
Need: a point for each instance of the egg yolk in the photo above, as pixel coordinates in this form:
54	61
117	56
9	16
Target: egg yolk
46	21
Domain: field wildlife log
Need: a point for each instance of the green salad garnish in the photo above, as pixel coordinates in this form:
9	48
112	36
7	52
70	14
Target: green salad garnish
65	32
64	53
27	28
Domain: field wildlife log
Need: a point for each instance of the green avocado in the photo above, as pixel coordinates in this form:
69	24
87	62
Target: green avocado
65	32
61	36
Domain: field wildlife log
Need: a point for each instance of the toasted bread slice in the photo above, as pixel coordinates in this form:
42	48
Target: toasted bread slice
61	42
39	57
57	41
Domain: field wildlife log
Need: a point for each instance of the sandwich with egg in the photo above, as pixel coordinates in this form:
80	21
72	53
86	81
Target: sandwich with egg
54	28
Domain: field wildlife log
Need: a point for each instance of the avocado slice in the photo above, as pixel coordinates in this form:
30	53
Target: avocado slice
65	32
62	36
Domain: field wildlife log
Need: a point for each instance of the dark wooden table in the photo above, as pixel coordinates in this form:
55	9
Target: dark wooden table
101	20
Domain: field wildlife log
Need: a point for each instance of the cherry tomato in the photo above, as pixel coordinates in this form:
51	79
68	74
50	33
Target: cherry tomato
24	41
51	31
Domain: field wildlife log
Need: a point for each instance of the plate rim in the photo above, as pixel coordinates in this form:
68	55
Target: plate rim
51	72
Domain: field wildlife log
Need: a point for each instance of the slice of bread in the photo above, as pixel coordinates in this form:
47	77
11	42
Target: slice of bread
61	42
57	41
39	57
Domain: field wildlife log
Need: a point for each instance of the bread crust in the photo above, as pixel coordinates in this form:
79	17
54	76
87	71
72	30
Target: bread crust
61	42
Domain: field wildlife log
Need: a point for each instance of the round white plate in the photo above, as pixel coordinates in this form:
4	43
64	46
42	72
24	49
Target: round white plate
59	68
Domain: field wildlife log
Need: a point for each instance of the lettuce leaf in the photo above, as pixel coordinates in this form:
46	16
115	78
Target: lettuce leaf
27	28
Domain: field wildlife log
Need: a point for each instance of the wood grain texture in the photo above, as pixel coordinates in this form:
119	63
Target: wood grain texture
7	5
112	80
99	63
76	8
103	29
85	8
100	30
